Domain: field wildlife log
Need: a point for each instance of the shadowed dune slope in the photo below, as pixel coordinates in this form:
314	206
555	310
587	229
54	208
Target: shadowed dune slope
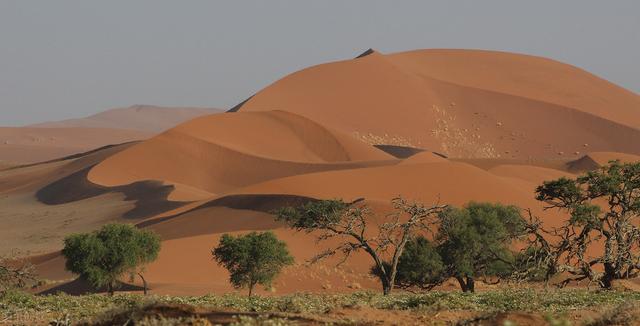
22	145
219	153
424	157
594	160
525	109
138	117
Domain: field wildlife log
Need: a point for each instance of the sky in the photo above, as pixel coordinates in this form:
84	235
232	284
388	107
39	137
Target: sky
66	59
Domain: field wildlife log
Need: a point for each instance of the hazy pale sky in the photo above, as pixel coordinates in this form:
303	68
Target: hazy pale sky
63	59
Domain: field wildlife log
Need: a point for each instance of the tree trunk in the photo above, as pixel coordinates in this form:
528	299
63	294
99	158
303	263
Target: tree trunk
386	285
471	285
110	288
251	288
144	283
609	276
467	285
463	285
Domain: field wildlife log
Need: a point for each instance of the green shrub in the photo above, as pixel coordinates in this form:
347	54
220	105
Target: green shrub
254	258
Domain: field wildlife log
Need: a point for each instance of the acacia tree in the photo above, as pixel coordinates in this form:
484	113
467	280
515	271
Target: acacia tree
254	258
104	256
604	205
349	222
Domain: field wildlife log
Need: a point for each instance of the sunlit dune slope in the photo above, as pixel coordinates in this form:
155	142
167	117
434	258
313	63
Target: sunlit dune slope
222	152
491	105
527	76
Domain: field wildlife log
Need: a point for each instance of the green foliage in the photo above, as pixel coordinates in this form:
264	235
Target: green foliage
313	215
102	257
255	258
419	266
473	241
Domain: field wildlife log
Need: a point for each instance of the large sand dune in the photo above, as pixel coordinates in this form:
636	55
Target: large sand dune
491	104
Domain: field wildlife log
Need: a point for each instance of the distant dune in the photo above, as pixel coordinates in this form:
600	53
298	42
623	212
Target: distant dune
51	140
146	118
448	126
23	145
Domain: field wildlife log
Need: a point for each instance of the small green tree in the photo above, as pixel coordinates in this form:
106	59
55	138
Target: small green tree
254	258
104	256
473	241
603	205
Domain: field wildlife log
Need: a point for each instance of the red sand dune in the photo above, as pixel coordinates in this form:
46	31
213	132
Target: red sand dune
527	76
137	117
524	108
222	152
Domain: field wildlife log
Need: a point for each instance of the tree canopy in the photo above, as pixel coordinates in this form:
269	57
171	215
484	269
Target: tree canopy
104	256
254	258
